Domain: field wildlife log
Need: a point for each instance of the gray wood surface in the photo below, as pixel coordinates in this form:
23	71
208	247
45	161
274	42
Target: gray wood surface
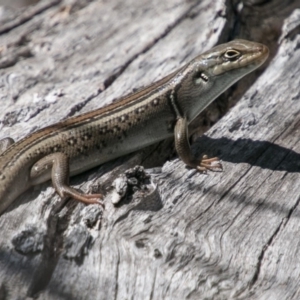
225	235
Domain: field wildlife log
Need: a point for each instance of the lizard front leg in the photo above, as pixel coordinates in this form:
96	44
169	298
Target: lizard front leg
183	149
59	165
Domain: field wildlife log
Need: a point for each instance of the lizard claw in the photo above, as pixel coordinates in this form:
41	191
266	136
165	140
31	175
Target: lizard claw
209	164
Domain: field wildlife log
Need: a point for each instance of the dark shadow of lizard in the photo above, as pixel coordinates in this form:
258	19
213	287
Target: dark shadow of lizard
263	154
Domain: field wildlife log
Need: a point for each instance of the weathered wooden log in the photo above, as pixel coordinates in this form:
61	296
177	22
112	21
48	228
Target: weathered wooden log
221	235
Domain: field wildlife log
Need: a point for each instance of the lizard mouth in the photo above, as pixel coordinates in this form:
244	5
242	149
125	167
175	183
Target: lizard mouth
257	56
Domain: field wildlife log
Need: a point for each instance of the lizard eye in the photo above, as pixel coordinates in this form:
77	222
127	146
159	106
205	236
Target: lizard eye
231	54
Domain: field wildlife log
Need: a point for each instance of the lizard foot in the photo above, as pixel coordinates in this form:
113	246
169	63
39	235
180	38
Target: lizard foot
81	197
91	199
209	164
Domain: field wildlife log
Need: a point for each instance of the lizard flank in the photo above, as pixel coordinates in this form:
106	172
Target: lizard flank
157	112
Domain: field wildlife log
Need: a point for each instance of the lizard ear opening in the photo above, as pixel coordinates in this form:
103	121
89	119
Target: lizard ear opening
200	77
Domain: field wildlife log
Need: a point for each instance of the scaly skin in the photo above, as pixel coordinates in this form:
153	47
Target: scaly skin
159	111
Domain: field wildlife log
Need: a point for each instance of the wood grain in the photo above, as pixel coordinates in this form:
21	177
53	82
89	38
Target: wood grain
224	235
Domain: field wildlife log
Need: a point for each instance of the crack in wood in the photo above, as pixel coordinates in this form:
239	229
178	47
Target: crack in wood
28	14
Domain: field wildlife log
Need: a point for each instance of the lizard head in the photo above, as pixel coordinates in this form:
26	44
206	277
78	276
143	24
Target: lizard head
211	73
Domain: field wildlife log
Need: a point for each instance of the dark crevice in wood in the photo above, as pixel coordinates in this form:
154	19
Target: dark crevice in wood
292	34
77	108
28	14
112	78
291	212
242	26
234	22
14	57
13	117
261	256
53	247
282	224
43	273
38	110
257	2
117	274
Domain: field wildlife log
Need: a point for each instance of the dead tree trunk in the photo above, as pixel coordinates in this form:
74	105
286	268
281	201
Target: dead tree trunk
224	235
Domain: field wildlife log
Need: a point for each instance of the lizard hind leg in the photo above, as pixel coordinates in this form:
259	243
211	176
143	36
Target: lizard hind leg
58	165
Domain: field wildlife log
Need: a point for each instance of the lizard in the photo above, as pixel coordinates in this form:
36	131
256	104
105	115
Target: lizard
161	110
